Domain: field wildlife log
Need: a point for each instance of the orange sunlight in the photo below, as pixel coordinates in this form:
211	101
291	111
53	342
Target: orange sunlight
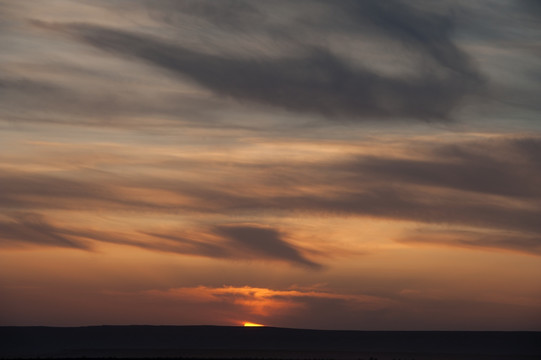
251	324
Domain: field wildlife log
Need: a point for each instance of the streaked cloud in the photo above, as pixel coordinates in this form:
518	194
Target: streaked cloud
498	240
482	184
34	229
239	242
268	302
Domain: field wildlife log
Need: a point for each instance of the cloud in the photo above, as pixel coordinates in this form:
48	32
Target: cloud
431	207
79	99
240	242
433	46
530	149
32	191
228	14
428	29
30	228
483	183
411	23
269	302
184	245
480	184
507	168
220	242
263	242
531	8
514	241
317	82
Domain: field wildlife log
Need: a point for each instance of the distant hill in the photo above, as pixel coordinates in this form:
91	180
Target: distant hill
265	342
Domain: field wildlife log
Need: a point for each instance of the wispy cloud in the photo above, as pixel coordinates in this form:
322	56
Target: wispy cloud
497	240
228	14
26	228
482	184
268	302
239	242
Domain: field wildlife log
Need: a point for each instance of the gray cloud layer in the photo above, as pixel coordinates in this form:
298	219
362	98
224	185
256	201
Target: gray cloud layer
307	57
282	55
318	82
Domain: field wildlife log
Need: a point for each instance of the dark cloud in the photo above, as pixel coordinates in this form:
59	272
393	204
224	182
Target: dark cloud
264	242
185	245
31	228
28	99
27	190
529	148
373	197
485	184
532	8
23	189
21	95
464	168
524	243
229	14
419	206
35	229
234	242
318	82
428	31
414	23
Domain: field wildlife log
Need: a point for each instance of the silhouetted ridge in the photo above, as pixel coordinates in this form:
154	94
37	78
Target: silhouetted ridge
211	341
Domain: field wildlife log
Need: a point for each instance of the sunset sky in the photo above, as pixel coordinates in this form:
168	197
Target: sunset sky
370	165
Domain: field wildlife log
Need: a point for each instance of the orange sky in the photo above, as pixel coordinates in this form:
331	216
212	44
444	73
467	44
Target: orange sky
300	165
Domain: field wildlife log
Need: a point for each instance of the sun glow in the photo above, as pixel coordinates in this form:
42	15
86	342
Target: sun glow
251	324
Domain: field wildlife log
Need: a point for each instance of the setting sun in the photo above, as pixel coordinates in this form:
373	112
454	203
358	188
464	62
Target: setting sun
251	324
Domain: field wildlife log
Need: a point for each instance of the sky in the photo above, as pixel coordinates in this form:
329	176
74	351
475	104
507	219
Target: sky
367	165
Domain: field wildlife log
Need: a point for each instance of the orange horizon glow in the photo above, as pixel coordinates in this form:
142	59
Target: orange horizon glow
251	324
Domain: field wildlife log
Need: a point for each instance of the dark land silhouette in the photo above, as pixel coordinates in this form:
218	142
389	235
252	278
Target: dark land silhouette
263	343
